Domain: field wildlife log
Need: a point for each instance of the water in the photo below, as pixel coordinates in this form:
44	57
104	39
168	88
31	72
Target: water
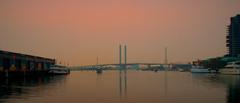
113	87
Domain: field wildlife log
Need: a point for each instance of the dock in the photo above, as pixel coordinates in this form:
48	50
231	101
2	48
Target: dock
17	64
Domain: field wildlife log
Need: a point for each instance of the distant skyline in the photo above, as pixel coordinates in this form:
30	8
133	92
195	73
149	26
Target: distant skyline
79	31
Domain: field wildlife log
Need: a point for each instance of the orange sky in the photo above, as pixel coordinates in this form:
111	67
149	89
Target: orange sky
78	31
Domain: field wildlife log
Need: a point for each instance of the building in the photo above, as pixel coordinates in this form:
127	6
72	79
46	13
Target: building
233	37
13	64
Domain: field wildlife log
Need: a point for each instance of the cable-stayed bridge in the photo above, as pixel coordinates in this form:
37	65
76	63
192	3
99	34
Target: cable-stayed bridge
125	65
145	66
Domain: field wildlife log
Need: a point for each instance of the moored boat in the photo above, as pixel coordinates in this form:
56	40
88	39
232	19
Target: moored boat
99	70
199	69
59	70
232	68
181	70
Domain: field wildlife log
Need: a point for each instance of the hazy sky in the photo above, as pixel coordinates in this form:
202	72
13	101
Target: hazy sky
77	31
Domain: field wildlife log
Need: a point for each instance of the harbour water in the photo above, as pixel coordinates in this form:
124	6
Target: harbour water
123	87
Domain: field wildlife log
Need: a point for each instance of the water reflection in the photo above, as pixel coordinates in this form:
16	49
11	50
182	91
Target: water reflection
123	87
165	86
123	83
231	82
20	88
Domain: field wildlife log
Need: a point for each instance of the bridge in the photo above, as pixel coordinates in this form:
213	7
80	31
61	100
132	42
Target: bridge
135	66
125	65
117	66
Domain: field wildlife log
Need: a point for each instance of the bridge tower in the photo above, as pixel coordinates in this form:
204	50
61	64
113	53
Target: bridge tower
120	56
125	57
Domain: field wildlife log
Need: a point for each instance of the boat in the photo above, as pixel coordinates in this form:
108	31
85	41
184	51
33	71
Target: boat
232	68
99	70
59	70
155	70
181	70
199	69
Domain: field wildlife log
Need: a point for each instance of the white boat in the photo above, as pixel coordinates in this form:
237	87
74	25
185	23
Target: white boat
182	70
59	70
232	68
199	69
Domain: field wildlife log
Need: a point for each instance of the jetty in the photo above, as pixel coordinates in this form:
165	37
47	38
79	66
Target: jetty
17	64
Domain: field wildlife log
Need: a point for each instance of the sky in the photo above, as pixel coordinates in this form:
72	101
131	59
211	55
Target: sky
79	31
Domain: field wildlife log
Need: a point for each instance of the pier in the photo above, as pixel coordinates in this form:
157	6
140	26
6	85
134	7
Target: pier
17	64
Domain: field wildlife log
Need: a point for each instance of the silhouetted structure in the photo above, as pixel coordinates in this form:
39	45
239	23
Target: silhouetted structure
16	64
233	37
120	56
121	65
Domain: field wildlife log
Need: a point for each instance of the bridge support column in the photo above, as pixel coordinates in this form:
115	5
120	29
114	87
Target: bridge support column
125	57
120	56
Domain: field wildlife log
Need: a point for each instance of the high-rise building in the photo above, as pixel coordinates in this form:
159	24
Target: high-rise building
233	37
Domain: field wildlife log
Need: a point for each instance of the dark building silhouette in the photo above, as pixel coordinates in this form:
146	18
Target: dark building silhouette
16	64
233	37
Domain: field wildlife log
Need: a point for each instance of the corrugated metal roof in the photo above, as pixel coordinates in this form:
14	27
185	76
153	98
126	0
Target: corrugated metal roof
25	55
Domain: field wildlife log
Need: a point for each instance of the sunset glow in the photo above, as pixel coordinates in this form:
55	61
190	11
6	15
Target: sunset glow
77	31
